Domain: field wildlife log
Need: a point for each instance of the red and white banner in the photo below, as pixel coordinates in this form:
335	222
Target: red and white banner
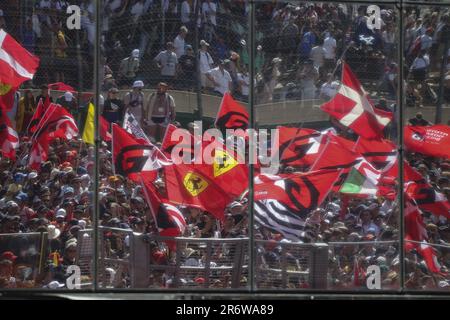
16	63
352	107
432	140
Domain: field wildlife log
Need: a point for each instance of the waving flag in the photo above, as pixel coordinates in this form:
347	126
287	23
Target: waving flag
9	140
298	147
105	126
16	63
231	115
432	140
170	144
89	126
382	154
169	219
39	152
186	184
57	123
283	202
61	86
429	199
352	107
429	255
134	156
414	226
131	125
39	115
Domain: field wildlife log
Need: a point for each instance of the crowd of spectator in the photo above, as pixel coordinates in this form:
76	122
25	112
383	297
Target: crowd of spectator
146	42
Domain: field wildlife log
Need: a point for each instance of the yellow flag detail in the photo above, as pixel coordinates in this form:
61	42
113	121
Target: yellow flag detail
223	163
89	126
194	183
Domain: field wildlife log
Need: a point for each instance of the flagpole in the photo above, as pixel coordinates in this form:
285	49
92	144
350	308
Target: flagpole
113	162
147	197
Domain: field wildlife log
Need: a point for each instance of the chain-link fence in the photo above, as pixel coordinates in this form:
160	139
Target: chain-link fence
284	265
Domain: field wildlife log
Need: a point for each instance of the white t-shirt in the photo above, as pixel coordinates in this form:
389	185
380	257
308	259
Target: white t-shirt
114	5
205	62
179	43
168	61
185	12
209	12
317	55
45	4
420	63
329	89
137	10
425	42
329	45
246	85
222	79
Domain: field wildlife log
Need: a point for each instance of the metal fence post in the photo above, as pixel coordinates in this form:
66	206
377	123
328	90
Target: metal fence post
318	266
238	261
209	253
140	261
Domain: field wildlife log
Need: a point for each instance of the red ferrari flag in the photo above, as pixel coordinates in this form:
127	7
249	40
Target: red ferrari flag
39	115
231	115
9	140
171	144
185	184
352	107
414	225
432	141
429	255
428	199
39	152
16	63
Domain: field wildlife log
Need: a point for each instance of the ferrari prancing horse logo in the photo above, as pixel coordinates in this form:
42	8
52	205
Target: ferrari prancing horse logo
194	183
223	163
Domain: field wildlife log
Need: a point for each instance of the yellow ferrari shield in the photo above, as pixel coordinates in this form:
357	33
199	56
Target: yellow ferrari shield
223	163
194	183
4	89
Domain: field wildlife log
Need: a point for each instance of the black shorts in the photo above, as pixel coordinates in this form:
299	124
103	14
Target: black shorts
158	120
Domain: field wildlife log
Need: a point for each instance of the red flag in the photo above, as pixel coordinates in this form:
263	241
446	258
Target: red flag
429	255
16	63
39	114
382	154
105	129
132	155
57	123
9	140
432	141
428	199
352	107
298	147
61	86
39	152
169	219
414	225
170	144
185	184
231	115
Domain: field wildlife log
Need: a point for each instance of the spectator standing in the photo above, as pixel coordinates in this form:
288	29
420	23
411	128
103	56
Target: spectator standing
113	109
68	101
206	62
167	62
220	78
187	68
128	68
159	111
25	111
179	42
134	101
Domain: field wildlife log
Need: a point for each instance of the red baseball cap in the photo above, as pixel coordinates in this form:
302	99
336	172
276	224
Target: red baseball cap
8	255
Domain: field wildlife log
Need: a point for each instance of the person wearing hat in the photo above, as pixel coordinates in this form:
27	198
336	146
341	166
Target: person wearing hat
69	102
418	120
128	68
186	69
167	61
220	78
134	101
113	108
206	63
159	112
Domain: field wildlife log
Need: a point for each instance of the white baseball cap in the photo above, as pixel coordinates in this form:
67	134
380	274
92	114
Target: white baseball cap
68	96
135	53
138	84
